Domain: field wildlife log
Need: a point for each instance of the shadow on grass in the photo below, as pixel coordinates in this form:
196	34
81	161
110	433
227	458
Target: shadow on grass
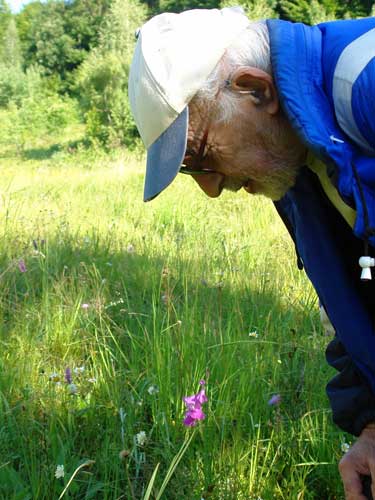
46	153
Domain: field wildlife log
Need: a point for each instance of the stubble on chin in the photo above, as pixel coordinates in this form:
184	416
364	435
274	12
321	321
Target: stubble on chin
273	184
280	156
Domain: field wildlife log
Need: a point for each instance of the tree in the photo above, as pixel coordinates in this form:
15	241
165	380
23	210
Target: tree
5	16
58	35
181	5
315	11
102	79
11	50
308	11
255	9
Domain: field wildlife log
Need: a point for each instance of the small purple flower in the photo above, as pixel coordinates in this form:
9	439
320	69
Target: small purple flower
194	408
68	375
275	400
202	382
22	266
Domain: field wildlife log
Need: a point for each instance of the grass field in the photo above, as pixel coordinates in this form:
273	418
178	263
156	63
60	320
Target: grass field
140	302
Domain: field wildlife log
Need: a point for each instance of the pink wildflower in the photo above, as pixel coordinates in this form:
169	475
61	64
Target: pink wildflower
22	266
202	382
275	400
194	408
85	306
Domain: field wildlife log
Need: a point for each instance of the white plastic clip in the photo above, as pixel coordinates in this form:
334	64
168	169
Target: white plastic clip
366	263
336	139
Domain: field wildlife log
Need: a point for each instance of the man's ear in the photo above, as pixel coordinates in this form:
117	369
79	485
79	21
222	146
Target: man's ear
259	85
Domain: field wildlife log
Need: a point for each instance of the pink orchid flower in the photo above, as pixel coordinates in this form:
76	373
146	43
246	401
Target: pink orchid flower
194	408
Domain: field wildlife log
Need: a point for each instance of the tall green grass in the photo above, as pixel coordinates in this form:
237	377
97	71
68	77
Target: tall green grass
150	299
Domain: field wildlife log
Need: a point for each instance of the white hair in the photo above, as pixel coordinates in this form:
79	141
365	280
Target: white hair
252	48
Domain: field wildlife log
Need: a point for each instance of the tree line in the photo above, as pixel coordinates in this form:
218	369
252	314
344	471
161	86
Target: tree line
76	53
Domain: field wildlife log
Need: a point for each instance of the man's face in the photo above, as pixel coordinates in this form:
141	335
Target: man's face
254	149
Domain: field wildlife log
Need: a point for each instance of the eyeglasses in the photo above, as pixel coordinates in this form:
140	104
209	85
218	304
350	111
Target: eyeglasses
196	159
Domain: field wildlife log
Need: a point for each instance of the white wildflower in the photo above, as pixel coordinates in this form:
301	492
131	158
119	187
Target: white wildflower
153	389
73	389
130	248
253	334
78	370
54	377
59	472
92	380
141	438
85	306
345	447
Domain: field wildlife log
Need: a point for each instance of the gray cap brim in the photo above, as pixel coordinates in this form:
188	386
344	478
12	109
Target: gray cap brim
165	155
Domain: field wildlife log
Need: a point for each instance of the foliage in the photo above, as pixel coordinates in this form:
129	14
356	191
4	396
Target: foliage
181	5
102	78
308	11
5	16
58	35
36	116
12	84
315	11
12	78
10	51
16	85
255	9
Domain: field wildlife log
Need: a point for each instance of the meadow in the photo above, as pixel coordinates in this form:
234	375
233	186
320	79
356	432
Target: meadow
113	310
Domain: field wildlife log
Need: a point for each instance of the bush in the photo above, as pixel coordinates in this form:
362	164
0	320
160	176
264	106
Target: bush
103	83
102	79
12	85
36	116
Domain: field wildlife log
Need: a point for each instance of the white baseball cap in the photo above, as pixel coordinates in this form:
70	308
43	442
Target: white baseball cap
174	56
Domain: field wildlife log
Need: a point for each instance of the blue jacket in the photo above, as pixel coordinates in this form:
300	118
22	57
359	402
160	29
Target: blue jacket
325	76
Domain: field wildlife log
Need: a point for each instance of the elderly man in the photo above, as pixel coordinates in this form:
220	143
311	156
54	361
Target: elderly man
287	111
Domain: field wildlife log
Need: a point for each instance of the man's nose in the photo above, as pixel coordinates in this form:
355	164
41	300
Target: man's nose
211	184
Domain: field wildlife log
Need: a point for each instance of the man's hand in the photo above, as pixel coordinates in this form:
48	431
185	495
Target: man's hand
359	461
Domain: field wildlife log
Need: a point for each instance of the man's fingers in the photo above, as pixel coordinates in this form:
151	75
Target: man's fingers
372	478
351	480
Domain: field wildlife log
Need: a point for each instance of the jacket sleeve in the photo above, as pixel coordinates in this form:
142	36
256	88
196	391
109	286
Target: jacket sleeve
352	400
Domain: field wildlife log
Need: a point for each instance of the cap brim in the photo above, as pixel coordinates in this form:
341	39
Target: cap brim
165	155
